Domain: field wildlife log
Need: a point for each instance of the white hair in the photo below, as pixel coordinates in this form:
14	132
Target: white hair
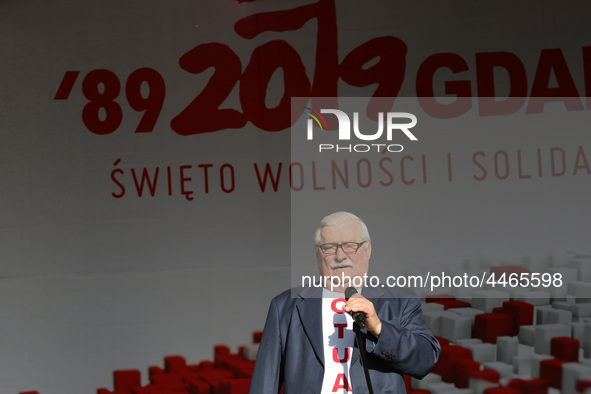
340	217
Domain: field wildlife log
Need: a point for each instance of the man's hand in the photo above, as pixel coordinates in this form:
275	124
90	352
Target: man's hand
358	303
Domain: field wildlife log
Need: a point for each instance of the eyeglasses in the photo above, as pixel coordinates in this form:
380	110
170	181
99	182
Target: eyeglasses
347	247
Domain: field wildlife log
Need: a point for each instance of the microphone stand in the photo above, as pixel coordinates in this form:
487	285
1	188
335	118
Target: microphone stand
362	354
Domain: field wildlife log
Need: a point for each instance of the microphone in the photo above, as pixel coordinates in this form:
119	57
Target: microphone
359	317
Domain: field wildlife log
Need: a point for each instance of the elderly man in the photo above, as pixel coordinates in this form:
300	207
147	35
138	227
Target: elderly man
308	345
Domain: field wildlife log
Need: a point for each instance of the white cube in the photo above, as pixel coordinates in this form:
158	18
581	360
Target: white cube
455	327
504	369
487	300
506	348
570	373
544	333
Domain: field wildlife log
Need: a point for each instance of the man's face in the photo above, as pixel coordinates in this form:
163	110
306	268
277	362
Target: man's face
349	265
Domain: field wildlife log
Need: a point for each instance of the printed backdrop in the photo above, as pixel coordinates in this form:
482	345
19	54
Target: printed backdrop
146	153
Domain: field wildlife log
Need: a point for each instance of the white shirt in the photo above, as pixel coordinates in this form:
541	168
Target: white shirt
338	338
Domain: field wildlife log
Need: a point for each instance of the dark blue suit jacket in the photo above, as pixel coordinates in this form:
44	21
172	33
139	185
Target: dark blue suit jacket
291	351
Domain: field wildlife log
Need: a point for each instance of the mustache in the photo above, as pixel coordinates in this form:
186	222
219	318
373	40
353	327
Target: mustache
341	264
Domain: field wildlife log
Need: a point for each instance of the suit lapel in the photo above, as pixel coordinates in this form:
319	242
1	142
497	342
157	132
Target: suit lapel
310	311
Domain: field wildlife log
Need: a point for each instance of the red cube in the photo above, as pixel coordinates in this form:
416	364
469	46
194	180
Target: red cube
551	370
127	379
522	312
530	386
447	360
565	348
489	326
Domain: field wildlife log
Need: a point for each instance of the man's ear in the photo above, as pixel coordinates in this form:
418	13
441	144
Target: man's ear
368	251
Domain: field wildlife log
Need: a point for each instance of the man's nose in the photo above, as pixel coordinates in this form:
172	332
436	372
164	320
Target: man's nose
340	255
